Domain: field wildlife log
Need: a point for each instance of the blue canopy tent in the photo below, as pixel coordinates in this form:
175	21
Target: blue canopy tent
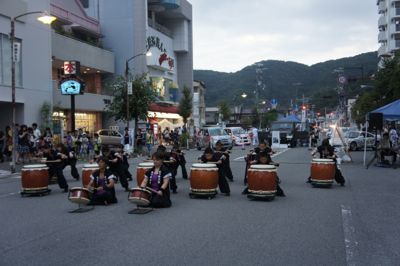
390	111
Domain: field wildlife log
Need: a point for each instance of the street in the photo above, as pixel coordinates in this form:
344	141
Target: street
352	225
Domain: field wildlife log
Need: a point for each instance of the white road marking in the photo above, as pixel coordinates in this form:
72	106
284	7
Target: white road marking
349	236
275	154
7	195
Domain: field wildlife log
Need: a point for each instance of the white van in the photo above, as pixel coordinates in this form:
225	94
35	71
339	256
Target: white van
213	134
239	135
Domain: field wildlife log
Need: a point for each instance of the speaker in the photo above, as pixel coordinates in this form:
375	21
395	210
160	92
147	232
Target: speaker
376	121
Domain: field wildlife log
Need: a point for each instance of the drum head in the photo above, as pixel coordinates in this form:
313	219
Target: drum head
323	160
146	164
141	189
263	166
204	165
91	165
80	188
30	166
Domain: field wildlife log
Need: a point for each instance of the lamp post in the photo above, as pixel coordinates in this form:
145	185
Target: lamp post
128	92
45	18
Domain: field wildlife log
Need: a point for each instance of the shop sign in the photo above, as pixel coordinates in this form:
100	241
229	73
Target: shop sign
154	41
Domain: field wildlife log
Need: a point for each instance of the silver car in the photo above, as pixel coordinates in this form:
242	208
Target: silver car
356	139
110	137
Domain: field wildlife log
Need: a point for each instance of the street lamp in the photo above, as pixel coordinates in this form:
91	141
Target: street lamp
45	18
128	116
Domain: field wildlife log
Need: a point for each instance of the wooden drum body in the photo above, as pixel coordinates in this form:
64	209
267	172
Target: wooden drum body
140	196
87	171
141	170
79	195
204	179
35	179
322	172
262	181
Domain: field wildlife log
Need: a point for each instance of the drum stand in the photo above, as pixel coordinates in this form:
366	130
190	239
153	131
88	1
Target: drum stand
141	210
81	209
35	192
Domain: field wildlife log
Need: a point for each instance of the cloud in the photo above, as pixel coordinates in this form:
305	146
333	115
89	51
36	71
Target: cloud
229	35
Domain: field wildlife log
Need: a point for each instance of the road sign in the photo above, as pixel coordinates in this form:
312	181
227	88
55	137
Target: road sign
130	91
16	52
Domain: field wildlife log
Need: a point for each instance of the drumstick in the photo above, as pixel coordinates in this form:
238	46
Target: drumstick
152	190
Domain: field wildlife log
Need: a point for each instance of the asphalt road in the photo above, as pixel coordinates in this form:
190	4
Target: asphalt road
352	225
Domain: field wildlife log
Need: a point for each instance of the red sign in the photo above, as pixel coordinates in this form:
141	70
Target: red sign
71	68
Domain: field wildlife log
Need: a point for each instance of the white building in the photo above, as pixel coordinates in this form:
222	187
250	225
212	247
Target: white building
389	27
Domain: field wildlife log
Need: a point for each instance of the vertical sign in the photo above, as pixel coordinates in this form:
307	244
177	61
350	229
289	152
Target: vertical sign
130	91
16	51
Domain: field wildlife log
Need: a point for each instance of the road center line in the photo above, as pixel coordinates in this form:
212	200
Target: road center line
349	236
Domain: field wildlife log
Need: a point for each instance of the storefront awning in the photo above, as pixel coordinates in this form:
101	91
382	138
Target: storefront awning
156	107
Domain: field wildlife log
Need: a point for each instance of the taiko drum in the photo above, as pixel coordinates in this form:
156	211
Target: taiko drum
79	195
322	171
140	196
203	178
141	170
261	179
87	171
35	178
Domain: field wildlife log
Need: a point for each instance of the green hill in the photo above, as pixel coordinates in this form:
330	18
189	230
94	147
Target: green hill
283	79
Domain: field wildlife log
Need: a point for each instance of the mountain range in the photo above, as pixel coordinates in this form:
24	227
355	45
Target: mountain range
287	81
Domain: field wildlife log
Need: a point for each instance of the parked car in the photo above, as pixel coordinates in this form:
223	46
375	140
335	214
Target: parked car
238	135
214	134
355	140
110	137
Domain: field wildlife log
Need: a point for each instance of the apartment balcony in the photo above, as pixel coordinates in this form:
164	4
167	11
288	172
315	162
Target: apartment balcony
382	21
66	48
382	36
394	12
382	50
382	7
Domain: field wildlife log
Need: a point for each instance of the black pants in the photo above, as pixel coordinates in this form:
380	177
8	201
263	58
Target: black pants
118	171
158	201
74	171
388	152
56	169
338	176
183	168
102	198
222	183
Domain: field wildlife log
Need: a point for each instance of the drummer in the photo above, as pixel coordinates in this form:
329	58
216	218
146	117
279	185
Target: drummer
252	156
115	163
68	158
210	156
102	182
157	179
265	158
170	161
326	151
219	148
55	164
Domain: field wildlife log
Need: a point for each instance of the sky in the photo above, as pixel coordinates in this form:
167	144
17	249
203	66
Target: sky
229	35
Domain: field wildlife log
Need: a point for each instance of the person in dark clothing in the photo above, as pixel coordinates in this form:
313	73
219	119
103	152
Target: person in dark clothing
55	164
326	151
217	158
181	160
170	161
102	182
157	178
252	156
264	158
219	148
68	158
115	163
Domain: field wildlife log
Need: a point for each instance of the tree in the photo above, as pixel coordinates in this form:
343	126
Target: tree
139	101
185	104
268	118
224	110
386	89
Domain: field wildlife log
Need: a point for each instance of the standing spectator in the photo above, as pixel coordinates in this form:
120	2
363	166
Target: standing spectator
23	144
149	141
2	145
127	139
139	141
8	143
48	137
394	137
255	136
36	133
96	144
166	136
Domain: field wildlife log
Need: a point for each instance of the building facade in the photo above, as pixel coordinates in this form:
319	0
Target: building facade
389	27
163	27
102	35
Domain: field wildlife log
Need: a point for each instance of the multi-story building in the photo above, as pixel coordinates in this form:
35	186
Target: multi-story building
103	36
389	27
199	105
73	36
163	27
